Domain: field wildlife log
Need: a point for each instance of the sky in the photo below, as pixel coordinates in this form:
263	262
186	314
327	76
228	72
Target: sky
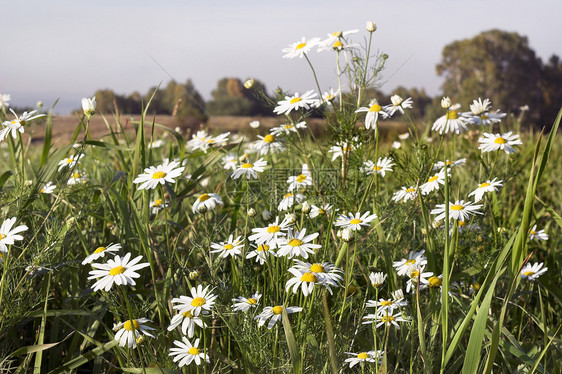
69	49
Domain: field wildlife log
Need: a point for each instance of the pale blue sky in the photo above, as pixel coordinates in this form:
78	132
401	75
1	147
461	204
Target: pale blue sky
68	49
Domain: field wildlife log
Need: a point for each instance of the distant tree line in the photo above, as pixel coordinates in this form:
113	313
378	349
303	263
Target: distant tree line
495	64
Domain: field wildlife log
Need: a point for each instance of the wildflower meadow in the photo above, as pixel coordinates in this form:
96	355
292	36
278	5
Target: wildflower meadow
285	250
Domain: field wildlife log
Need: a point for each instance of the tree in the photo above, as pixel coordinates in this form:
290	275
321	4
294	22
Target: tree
552	94
495	64
231	98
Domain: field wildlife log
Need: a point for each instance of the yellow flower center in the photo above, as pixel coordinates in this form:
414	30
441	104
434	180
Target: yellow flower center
76	175
187	314
476	286
193	351
434	281
433	179
410	262
301	178
452	114
337	34
462	223
295	100
500	140
287	195
158	175
457	207
363	355
377	168
157	203
252	301
317	268
117	270
387	302
387	318
129	326
485	184
68	160
273	229
528	273
2	236
309	277
269	138
228	246
337	45
42	190
355	221
198	301
449	162
277	309
300	46
533	232
414	273
375	108
204	197
263	247
410	189
295	242
247	165
211	141
288	126
321	211
100	249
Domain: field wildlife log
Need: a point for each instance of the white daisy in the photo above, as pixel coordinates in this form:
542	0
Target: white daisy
362	357
48	188
249	169
296	102
119	270
76	178
289	200
270	234
433	182
89	106
130	331
260	253
325	272
4	98
405	194
377	279
383	165
203	141
414	261
229	161
488	186
532	272
450	164
398	104
153	176
480	115
287	128
9	235
450	122
188	322
334	37
101	252
245	304
329	96
417	275
268	144
385	319
70	161
494	142
303	180
206	202
300	48
344	147
355	221
384	306
186	353
229	248
373	112
297	243
201	299
306	281
459	210
17	124
316	211
157	205
275	314
539	235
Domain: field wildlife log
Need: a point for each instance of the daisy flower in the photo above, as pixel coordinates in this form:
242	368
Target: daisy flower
17	124
414	261
539	235
377	279
373	112
229	248
384	306
532	272
289	200
48	188
297	243
435	281
303	180
119	270
8	234
417	276
206	202
153	176
480	115
275	314
333	38
76	178
450	164
201	299
300	48
296	102
89	106
325	272
260	253
488	186
156	144
316	211
270	234
460	210
229	161
405	194
433	183
132	330
344	147
101	251
355	221
201	140
362	357
69	161
249	169
244	304
450	122
157	205
268	144
383	165
188	322
329	96
4	98
385	319
287	128
186	353
494	142
305	281
398	104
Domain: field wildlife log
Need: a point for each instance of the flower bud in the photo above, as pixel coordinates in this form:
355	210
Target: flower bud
371	26
346	235
446	102
249	83
140	339
305	207
377	279
251	212
266	215
89	106
291	218
255	124
193	274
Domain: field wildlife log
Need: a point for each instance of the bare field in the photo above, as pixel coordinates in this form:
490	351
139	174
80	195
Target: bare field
65	126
